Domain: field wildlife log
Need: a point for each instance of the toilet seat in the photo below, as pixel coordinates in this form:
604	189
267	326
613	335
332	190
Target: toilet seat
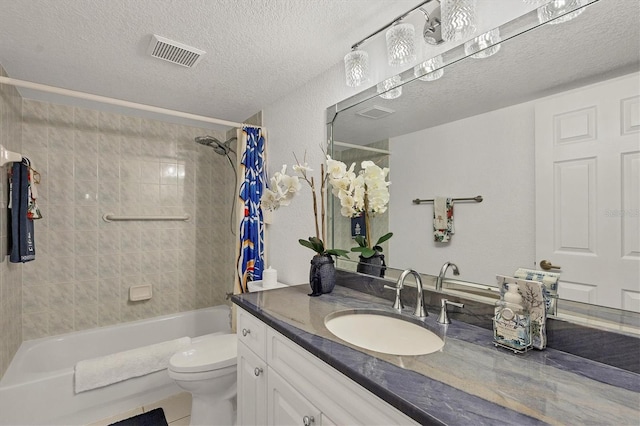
209	354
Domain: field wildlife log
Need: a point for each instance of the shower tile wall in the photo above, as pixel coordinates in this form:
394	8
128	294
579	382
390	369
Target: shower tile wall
10	274
94	163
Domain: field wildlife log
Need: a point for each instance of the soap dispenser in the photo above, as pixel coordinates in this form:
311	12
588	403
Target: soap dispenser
512	324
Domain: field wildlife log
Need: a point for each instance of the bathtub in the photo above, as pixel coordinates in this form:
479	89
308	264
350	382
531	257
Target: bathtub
38	386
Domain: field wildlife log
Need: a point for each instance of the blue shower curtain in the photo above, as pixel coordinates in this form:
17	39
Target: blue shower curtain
251	256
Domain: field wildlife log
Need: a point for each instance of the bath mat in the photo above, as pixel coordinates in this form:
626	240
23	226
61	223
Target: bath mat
152	418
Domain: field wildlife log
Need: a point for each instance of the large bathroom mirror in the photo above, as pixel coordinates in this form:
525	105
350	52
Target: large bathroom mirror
475	131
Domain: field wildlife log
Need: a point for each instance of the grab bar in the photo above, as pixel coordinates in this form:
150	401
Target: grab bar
110	217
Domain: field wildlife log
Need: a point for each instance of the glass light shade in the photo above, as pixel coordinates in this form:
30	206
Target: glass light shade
390	88
458	19
401	46
356	67
556	8
425	70
487	44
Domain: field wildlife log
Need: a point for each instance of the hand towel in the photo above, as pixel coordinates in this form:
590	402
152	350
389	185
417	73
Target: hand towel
33	211
442	219
22	242
550	285
102	371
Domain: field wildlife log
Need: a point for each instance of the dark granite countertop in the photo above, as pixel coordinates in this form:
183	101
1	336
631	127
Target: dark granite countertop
469	382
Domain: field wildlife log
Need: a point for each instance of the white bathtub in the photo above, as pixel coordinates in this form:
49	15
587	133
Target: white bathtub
38	387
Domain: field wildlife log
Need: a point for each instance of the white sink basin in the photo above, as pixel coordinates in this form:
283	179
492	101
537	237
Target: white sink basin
381	332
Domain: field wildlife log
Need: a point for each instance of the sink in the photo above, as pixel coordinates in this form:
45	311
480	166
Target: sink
382	331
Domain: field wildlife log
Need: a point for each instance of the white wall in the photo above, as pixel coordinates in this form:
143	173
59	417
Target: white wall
297	123
490	155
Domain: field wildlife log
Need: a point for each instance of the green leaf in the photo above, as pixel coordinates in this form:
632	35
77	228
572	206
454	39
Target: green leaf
317	243
308	244
362	241
338	252
384	238
364	251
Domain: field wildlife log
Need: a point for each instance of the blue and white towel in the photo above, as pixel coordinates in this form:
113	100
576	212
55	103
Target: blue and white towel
21	238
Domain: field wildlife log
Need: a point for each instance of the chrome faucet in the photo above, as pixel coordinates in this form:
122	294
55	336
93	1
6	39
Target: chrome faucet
419	311
397	305
443	271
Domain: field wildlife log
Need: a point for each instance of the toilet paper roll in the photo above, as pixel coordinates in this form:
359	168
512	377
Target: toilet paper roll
269	277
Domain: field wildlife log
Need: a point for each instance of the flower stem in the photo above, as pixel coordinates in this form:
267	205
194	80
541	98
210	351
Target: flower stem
366	219
322	209
315	207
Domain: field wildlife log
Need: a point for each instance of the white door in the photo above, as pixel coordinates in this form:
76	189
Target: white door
588	191
252	388
287	407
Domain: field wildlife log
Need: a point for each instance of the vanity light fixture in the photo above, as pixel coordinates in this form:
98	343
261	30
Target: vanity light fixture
401	46
449	20
429	70
487	44
356	66
563	10
458	19
390	88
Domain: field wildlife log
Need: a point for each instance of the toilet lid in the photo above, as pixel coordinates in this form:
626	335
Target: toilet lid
211	353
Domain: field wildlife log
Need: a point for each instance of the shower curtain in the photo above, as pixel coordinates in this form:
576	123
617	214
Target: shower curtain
251	245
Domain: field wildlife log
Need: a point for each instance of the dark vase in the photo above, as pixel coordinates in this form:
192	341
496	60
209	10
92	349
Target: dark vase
373	265
322	275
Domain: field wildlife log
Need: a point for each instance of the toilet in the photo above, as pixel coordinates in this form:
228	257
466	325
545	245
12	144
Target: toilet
207	369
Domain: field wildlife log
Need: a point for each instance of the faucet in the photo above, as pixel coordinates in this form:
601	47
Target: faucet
443	271
397	305
443	318
419	311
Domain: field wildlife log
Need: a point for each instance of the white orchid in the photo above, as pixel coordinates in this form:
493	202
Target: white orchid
367	192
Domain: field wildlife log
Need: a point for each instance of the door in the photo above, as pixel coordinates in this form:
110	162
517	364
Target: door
588	191
287	406
252	388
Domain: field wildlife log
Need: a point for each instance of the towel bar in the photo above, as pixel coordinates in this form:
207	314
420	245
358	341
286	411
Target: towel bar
110	217
477	199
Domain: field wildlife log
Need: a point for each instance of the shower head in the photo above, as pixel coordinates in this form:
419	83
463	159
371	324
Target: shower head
222	148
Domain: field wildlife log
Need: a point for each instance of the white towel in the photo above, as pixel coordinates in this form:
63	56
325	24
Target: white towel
102	371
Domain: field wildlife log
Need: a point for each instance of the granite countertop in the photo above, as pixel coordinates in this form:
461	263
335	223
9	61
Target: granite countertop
469	382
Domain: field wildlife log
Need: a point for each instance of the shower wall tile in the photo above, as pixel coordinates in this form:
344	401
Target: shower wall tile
95	163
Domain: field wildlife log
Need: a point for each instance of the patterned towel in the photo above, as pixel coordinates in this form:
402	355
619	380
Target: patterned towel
442	219
550	285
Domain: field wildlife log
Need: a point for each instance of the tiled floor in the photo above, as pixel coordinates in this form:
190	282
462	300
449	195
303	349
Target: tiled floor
177	410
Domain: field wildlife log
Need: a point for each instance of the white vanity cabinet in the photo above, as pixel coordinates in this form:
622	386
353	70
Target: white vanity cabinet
296	388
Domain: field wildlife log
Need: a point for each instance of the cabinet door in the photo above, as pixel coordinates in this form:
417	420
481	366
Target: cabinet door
287	406
252	388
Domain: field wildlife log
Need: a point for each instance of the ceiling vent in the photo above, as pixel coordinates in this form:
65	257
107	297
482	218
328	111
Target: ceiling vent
172	51
375	112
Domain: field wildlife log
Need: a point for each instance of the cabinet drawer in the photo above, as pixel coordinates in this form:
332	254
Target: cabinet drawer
252	332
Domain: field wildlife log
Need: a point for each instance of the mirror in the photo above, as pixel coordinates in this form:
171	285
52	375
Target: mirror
472	132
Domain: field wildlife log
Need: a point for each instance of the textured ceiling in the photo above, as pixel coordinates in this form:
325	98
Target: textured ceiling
257	50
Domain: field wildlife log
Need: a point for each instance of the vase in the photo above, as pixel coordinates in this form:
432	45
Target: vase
373	265
322	275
